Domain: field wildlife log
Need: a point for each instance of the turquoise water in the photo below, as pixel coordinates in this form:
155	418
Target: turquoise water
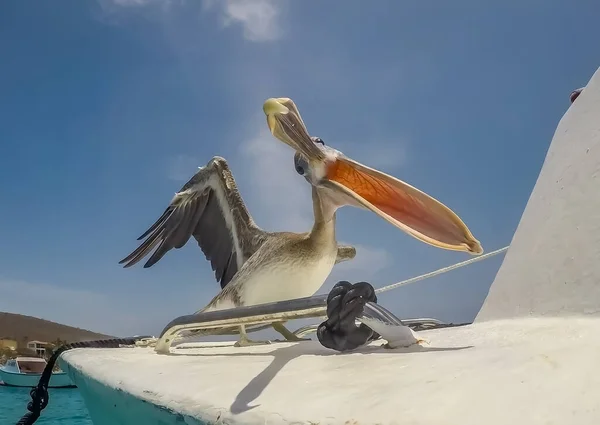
64	408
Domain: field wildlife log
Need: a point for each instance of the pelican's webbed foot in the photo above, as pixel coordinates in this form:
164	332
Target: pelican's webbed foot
289	336
244	341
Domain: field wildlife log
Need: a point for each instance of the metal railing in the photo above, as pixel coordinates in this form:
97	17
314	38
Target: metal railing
258	317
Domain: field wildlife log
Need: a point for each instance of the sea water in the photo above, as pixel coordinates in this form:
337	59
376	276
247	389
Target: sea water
65	407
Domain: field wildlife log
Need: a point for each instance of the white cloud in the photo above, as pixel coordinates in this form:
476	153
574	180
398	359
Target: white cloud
284	197
367	264
258	18
373	258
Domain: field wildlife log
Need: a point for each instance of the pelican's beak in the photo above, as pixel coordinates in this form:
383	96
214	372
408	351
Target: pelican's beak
401	204
285	123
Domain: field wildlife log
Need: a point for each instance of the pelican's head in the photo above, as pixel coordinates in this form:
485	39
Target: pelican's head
344	181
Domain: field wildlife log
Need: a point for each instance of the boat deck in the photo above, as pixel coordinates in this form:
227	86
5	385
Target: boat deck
520	371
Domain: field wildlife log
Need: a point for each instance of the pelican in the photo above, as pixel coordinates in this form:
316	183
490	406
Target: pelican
254	266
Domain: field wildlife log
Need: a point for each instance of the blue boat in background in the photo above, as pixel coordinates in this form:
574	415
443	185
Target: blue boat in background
26	372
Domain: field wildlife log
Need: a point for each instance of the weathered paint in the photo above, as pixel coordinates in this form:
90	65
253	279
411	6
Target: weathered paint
110	405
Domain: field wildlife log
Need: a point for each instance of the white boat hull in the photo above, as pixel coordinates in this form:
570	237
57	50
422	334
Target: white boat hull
520	371
13	379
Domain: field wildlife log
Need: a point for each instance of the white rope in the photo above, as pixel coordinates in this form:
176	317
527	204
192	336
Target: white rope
440	271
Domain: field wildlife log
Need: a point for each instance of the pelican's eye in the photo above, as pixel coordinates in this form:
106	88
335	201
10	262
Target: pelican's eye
300	163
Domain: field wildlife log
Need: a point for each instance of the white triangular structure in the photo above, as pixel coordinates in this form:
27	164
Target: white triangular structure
553	265
529	359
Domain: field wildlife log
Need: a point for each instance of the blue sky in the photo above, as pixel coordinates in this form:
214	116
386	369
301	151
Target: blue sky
109	106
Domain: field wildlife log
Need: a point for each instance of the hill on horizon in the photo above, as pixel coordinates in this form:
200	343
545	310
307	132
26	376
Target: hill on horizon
23	328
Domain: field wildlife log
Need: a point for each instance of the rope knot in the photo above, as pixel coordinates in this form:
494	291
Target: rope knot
345	303
39	399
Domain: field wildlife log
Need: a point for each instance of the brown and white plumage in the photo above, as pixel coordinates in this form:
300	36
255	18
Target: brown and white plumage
254	266
210	208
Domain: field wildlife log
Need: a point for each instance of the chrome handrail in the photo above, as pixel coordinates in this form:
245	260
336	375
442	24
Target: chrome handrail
222	321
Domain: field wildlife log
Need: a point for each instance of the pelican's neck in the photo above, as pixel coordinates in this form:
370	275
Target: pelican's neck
324	210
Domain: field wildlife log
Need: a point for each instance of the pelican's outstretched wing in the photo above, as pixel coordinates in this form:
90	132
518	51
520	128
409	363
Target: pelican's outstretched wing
209	208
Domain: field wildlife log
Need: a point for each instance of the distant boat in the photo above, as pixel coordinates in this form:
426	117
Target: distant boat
26	372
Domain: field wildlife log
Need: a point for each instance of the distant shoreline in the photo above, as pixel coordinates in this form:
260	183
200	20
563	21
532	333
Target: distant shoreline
20	329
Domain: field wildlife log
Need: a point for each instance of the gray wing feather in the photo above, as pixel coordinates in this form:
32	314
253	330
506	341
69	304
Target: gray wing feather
198	210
